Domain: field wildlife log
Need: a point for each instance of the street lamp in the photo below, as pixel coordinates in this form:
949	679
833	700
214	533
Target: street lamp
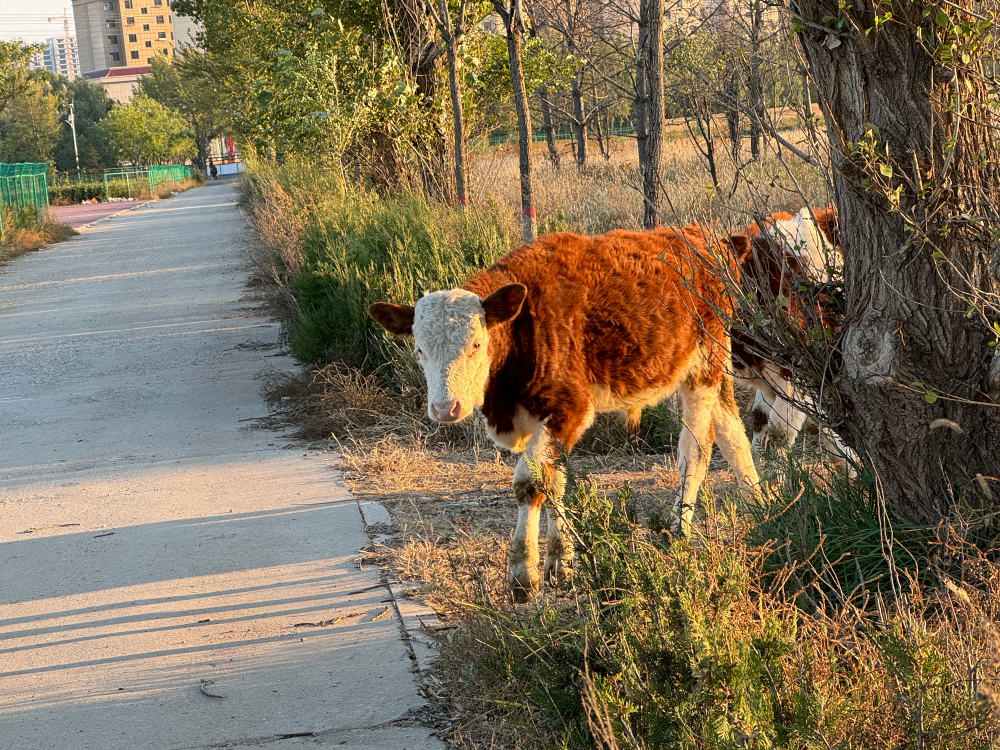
72	126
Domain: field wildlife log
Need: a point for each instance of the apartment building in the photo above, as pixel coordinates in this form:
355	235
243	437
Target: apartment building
122	33
61	56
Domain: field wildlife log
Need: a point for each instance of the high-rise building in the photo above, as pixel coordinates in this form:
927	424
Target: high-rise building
61	56
122	33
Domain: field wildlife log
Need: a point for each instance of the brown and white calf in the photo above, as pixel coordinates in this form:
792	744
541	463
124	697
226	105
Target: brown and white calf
569	326
774	260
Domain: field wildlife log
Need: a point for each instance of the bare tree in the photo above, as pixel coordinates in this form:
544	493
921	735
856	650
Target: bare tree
451	37
573	21
547	127
511	14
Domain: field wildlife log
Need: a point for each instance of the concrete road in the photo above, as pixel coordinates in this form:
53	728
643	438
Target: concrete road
171	576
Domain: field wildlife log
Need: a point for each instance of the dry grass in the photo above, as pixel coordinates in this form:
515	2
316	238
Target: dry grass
607	194
166	189
20	240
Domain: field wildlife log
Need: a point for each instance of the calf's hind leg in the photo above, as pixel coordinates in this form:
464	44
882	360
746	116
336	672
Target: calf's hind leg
731	438
694	449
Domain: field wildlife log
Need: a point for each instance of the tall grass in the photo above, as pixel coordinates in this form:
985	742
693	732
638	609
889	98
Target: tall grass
333	249
607	194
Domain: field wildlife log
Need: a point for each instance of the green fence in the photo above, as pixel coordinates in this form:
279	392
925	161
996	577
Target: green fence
24	191
133	177
117	182
175	173
499	137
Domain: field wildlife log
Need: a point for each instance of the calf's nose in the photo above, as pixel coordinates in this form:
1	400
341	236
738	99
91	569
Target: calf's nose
446	411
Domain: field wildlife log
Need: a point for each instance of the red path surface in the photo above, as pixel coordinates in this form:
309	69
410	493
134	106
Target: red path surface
79	215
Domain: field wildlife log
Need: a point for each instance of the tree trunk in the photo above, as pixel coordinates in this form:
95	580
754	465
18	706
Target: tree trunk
579	119
451	44
915	385
433	167
547	128
415	24
603	143
514	28
641	102
703	120
755	84
730	94
651	48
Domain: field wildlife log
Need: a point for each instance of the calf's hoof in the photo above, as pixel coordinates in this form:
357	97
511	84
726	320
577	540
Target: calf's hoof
523	584
558	571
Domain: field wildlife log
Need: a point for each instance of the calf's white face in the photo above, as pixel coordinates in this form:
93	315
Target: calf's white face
452	344
451	337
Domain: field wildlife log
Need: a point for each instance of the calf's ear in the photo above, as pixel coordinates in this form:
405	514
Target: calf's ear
397	319
504	304
826	220
740	245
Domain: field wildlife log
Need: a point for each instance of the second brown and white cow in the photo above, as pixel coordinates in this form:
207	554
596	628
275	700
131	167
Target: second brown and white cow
569	326
776	255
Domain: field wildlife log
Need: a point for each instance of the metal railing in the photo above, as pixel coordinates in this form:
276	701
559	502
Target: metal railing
131	175
122	182
24	191
175	173
499	137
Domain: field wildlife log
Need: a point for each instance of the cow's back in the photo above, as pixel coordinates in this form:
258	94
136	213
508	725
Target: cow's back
614	316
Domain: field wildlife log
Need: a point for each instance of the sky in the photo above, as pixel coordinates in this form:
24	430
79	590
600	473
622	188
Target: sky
27	18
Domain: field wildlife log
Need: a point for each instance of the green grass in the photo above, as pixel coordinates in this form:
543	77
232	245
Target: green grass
355	248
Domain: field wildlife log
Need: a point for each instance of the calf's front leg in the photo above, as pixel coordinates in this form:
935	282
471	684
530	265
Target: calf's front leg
536	480
558	547
522	555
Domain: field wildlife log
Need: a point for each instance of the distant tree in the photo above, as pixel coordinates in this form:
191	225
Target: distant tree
354	83
29	125
15	76
145	132
188	88
91	105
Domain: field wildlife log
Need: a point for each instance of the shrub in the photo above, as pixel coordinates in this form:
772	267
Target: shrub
665	643
77	193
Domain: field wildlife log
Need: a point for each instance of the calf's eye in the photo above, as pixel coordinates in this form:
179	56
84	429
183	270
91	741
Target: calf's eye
477	346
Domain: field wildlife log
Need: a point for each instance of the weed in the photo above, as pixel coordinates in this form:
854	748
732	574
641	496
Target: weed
19	239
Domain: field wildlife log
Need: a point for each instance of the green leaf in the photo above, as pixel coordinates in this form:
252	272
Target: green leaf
318	10
941	19
886	170
937	255
930	397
